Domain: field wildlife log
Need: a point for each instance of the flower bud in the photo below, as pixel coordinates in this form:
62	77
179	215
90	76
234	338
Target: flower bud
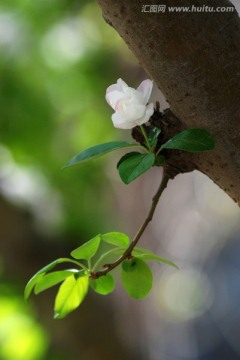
130	105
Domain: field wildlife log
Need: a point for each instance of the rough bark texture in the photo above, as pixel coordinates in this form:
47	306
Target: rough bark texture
194	58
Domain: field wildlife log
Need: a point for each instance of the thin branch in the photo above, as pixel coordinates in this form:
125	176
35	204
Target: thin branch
128	251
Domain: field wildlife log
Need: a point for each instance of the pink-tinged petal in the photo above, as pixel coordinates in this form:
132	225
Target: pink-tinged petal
118	105
112	88
145	88
112	97
119	86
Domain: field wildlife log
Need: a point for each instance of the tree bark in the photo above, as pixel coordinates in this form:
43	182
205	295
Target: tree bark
194	58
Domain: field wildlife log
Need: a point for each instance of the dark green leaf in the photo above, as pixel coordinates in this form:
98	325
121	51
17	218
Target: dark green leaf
98	150
135	166
87	250
191	140
103	285
137	278
127	156
153	136
52	279
70	295
159	160
116	238
32	282
148	255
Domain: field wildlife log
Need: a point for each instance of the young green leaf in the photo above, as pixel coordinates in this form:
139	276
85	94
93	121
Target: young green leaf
52	279
98	150
192	140
87	250
32	282
30	285
70	295
102	259
103	285
147	255
116	238
135	166
137	278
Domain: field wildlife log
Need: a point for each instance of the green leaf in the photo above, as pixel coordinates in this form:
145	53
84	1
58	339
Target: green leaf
137	278
52	279
30	285
32	282
127	156
103	285
191	140
116	238
135	166
98	150
159	160
153	136
87	250
70	295
103	256
148	255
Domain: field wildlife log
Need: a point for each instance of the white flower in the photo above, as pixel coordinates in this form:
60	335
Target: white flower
130	105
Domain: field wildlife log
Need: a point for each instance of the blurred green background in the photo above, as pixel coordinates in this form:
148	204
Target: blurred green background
56	60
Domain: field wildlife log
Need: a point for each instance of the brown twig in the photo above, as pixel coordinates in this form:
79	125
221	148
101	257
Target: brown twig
128	251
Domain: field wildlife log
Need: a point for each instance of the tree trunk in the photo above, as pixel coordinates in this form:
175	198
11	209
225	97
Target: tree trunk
194	58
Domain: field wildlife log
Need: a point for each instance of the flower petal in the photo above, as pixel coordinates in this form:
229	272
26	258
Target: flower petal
120	122
112	88
130	105
119	86
112	97
145	88
134	112
146	117
149	109
122	85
